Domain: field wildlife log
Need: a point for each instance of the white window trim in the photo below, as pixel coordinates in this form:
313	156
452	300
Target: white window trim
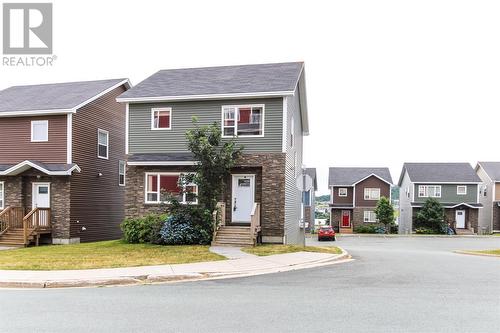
2	195
99	131
153	128
158	201
369	191
34	122
465	187
340	194
124	172
371	213
426	191
236	116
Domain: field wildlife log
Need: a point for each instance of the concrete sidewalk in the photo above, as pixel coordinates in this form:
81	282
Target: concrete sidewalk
239	264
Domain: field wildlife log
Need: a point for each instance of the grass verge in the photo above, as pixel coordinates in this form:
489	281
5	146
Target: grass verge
270	249
107	254
494	252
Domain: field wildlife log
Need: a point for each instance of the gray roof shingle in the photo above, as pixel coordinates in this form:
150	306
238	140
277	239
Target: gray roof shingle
57	96
349	176
441	173
492	169
247	79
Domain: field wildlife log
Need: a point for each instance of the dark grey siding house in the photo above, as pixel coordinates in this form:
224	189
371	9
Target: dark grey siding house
262	106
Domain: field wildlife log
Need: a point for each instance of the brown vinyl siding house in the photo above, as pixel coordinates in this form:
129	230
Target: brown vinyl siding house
262	106
354	195
62	150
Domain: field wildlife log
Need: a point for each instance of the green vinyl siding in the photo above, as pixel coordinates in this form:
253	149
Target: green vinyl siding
449	193
144	140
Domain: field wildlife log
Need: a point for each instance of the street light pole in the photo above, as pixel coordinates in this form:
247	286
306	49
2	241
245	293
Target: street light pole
303	203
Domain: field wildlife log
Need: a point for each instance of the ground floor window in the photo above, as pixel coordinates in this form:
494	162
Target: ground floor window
370	216
160	186
1	195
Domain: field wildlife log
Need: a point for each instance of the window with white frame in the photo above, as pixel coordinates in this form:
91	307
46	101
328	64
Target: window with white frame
2	195
121	173
292	132
429	191
159	186
243	120
39	130
102	144
372	194
342	191
462	190
161	118
370	216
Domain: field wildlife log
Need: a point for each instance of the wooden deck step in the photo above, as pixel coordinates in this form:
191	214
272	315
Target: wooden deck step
233	236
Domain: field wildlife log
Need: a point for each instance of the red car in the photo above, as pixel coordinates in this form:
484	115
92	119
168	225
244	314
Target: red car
326	232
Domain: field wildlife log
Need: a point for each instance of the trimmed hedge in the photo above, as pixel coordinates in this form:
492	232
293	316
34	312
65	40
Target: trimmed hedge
143	229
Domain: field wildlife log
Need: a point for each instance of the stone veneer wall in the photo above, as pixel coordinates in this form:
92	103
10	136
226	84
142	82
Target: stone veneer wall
269	169
358	217
496	216
18	192
471	217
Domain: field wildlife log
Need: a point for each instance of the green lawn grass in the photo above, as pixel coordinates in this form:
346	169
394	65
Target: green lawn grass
493	252
267	250
107	254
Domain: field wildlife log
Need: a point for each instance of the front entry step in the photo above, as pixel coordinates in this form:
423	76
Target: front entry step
14	237
233	236
464	232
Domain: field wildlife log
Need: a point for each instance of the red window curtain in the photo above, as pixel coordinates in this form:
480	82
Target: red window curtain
169	184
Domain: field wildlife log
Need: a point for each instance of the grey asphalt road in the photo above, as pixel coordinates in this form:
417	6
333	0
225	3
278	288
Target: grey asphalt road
394	285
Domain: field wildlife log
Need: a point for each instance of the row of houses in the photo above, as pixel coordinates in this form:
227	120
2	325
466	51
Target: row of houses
77	158
470	196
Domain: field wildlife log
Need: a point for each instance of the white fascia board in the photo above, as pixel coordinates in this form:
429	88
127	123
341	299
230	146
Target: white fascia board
202	97
28	113
447	183
104	92
163	163
19	167
69	138
285	125
385	181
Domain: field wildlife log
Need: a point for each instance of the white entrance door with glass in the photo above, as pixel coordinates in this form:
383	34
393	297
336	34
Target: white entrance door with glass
41	195
460	219
243	194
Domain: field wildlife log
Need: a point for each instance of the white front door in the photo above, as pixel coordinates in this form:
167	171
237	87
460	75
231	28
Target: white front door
41	195
460	219
242	198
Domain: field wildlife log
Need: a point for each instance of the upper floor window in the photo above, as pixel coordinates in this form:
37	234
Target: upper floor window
160	185
372	194
102	144
307	198
1	196
161	119
121	173
292	132
243	120
342	192
39	131
429	191
462	190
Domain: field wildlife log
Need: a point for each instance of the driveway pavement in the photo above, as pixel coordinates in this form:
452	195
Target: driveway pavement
394	285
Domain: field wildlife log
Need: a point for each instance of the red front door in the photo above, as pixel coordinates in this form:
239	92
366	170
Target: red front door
346	219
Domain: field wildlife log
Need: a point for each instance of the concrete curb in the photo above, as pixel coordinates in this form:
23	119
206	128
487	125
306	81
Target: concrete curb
168	278
472	253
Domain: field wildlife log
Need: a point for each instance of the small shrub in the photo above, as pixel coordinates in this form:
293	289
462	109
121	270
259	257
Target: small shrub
366	229
187	225
143	229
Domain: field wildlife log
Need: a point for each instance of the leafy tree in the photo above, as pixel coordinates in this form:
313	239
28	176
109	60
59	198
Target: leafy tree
385	213
215	158
323	198
431	216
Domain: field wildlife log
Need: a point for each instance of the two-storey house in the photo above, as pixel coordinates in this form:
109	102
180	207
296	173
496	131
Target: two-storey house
354	194
489	196
62	162
454	185
262	106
